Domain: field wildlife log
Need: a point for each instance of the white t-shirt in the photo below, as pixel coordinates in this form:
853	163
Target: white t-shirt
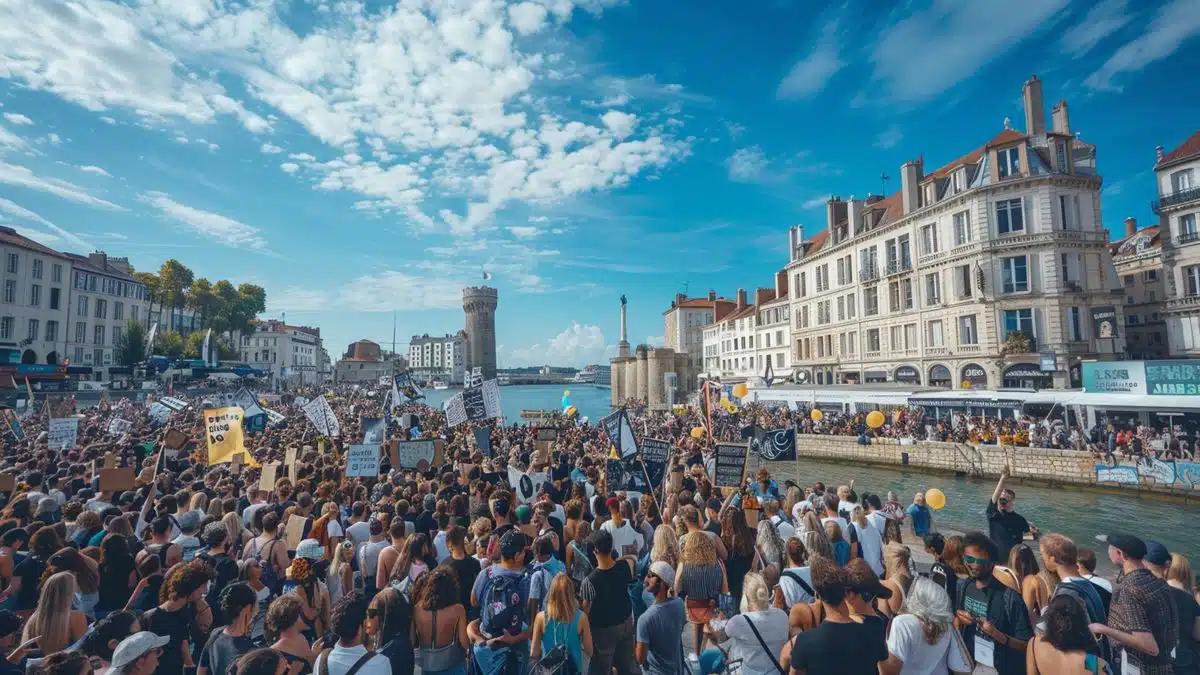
793	592
334	529
772	625
440	547
624	536
1099	581
870	546
877	520
786	531
359	532
249	511
341	659
907	642
845	508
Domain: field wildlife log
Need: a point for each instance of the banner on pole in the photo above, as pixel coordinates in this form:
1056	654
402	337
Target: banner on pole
223	430
320	413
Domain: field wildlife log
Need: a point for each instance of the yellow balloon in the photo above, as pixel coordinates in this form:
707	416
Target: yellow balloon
567	392
875	419
571	411
816	415
697	432
966	384
740	390
935	498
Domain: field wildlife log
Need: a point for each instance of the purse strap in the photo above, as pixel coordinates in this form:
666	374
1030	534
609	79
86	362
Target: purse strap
763	643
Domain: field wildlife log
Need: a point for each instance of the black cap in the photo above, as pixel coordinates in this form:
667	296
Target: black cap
1128	544
1157	554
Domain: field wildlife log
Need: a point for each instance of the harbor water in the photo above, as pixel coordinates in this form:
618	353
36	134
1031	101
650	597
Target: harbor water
1082	515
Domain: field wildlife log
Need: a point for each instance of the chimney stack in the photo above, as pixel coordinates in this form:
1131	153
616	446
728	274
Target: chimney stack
712	295
910	186
741	298
680	298
781	283
1035	109
1060	119
793	244
1158	151
1130	226
762	295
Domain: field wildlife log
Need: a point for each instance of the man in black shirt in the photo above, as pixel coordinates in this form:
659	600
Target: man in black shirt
993	617
939	571
1006	527
839	645
605	594
465	566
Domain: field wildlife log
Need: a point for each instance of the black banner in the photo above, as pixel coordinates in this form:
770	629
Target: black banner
778	445
612	428
731	465
627	475
474	405
655	454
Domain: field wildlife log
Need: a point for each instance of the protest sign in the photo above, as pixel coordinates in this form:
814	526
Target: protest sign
14	424
419	455
525	486
266	481
655	455
289	460
175	439
320	413
363	460
235	466
117	480
373	430
547	434
483	439
110	460
625	475
294	532
730	467
62	433
778	445
119	426
616	426
8	482
173	403
223	429
474	404
159	413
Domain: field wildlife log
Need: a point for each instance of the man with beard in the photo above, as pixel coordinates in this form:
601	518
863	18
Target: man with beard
993	617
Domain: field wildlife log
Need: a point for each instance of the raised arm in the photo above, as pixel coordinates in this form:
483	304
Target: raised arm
999	486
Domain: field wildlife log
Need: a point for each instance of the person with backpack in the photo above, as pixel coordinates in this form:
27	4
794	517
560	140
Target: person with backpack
992	616
605	594
270	551
1060	558
501	592
303	580
545	567
225	569
349	656
168	553
188	543
225	645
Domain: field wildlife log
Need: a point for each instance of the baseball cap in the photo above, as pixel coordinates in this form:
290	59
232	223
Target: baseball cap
1157	554
1128	544
512	543
662	570
135	646
311	549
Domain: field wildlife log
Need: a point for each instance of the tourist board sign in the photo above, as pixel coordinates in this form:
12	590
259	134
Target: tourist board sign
1172	378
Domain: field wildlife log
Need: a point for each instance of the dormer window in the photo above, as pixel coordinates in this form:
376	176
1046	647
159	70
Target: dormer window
841	233
958	180
929	193
1008	161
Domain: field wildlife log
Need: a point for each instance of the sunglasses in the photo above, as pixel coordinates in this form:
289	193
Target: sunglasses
972	560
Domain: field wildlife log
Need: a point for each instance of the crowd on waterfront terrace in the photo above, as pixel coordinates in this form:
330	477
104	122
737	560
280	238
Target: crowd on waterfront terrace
526	561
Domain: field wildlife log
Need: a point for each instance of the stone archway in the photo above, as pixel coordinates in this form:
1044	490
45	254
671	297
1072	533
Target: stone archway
28	356
52	359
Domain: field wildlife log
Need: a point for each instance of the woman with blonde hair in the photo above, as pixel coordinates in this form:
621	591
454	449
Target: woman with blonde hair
700	580
666	546
87	577
340	578
55	625
562	623
238	533
199	504
870	540
922	639
758	619
897	559
215	509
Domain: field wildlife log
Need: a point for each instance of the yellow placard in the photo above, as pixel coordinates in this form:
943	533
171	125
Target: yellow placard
223	429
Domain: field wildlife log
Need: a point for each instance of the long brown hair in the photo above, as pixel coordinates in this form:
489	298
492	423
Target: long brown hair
560	600
736	533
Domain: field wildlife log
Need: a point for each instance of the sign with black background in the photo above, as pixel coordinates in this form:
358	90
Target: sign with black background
655	455
731	464
627	475
473	403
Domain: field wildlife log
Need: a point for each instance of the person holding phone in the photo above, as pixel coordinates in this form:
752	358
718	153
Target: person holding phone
993	617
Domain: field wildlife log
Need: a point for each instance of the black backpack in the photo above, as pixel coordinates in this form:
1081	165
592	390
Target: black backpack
225	572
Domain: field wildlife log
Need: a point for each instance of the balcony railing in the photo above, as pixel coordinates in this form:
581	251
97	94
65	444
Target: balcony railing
870	273
1175	198
899	266
1187	238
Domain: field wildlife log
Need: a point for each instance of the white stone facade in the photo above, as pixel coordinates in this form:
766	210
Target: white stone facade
289	354
1178	207
438	358
105	299
34	304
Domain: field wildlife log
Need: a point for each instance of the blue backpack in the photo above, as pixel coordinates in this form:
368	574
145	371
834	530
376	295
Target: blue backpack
1086	591
503	603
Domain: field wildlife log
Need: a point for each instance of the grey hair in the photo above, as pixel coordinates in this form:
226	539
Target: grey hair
930	603
771	543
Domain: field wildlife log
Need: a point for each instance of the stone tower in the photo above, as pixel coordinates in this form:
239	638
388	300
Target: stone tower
479	304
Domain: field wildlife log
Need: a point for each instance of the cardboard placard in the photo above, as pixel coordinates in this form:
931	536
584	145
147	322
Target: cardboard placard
541	453
730	467
117	480
289	460
266	482
363	460
236	464
175	439
8	482
419	455
110	460
294	532
675	482
547	434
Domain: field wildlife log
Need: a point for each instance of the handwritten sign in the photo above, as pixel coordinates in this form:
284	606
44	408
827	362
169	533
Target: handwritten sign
294	532
223	429
418	455
730	467
236	465
159	413
320	413
266	482
119	426
110	460
655	455
62	433
289	460
544	434
175	439
363	460
8	482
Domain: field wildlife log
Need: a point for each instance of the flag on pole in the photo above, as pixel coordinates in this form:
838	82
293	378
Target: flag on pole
487	275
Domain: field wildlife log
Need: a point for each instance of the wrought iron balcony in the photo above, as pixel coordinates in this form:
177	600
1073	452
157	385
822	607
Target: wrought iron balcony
1179	197
869	273
899	266
1187	238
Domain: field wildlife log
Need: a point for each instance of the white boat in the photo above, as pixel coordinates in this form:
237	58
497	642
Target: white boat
440	385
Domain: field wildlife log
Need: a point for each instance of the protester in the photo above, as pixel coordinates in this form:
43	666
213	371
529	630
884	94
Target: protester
658	649
1143	620
348	618
1065	646
839	645
923	639
993	617
1006	527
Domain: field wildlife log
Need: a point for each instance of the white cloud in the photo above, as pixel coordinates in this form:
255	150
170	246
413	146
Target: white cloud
620	123
289	167
23	177
578	346
1101	21
814	203
747	165
59	236
116	235
53	139
735	130
811	73
302	157
220	229
1176	22
524	231
17	119
527	17
382	292
935	48
270	149
93	169
10	140
889	138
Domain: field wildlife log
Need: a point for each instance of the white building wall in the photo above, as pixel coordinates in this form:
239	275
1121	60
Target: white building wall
24	318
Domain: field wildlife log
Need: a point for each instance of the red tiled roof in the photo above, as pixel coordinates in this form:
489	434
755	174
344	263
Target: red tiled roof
817	241
13	238
746	311
1186	149
1006	136
1153	232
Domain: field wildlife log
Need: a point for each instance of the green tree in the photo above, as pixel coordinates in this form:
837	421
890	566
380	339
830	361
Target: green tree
252	301
201	300
132	349
154	287
226	304
170	344
226	351
175	279
193	343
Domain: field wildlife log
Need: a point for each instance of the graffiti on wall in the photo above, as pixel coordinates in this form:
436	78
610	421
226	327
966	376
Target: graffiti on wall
1179	474
1121	475
1162	472
1188	472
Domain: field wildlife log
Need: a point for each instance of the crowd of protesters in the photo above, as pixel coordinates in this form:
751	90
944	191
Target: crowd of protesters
205	569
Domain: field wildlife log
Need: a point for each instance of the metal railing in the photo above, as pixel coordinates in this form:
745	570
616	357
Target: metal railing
899	266
1174	198
1187	237
870	273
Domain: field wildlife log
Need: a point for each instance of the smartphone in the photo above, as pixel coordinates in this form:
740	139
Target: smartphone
727	605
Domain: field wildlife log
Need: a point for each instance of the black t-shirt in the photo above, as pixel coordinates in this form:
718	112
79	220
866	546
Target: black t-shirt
609	592
841	648
1006	529
1006	610
426	524
176	626
222	650
466	570
30	572
1186	652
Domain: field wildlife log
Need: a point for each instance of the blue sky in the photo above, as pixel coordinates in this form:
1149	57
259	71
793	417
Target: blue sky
359	157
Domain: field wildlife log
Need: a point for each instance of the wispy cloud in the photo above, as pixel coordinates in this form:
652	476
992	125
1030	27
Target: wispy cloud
381	292
220	229
815	203
748	165
92	169
17	119
812	73
889	138
1176	22
1101	21
23	177
16	210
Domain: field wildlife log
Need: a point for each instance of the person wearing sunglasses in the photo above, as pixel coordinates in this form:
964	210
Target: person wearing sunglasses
993	617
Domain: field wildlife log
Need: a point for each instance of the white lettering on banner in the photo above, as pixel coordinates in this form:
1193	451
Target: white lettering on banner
159	413
1122	475
119	426
174	403
62	433
320	413
1160	471
362	460
412	453
301	401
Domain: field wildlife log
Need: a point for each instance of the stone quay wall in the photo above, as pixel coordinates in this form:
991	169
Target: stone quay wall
1035	465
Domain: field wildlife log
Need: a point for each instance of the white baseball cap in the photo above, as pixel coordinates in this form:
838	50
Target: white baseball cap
135	647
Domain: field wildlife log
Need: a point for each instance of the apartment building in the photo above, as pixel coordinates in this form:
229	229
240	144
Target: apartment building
772	329
1138	261
288	354
728	345
441	359
685	320
35	299
990	271
1178	208
105	299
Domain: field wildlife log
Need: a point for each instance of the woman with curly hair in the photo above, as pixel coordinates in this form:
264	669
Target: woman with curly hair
285	629
437	611
922	639
666	546
739	542
182	615
700	580
55	625
1066	645
303	581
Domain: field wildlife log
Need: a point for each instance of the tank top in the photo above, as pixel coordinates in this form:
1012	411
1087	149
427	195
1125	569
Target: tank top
566	634
436	659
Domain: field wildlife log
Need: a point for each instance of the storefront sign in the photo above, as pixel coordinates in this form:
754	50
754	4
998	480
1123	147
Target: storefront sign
1104	322
907	374
1172	378
975	374
1048	362
1115	377
1024	371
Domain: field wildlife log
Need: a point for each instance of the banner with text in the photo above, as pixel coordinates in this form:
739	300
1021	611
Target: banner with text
319	412
62	433
363	460
223	430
